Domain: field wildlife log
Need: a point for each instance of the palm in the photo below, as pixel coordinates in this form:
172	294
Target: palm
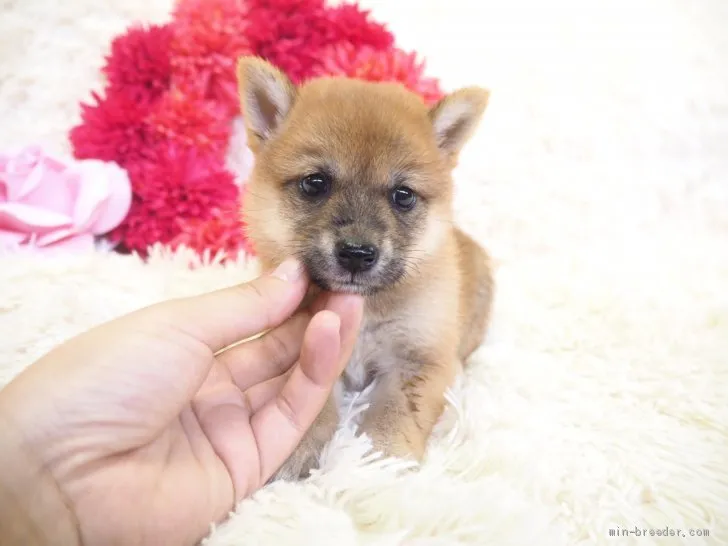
170	488
169	478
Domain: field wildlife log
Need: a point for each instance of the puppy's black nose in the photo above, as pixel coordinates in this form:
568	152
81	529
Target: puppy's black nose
355	257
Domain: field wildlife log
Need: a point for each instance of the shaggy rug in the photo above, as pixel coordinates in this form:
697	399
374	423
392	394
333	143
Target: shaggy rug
599	181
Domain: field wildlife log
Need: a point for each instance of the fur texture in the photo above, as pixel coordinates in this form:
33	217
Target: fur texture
598	179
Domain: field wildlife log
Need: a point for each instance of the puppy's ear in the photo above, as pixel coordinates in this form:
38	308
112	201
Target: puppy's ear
266	97
455	117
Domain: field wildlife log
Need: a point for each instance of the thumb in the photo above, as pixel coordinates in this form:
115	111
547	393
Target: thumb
229	315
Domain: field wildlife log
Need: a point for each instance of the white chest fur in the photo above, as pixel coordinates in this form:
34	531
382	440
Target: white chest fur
369	351
373	354
383	341
358	381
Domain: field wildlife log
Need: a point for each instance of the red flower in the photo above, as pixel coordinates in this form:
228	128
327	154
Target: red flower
139	62
112	129
209	36
288	33
293	34
191	122
122	129
223	232
178	185
352	25
381	66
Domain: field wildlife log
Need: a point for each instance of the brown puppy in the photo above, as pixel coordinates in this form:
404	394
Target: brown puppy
354	178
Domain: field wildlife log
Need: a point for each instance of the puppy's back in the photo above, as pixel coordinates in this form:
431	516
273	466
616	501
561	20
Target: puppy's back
476	292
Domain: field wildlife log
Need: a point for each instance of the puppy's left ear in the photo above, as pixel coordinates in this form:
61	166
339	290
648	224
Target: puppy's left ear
455	117
266	97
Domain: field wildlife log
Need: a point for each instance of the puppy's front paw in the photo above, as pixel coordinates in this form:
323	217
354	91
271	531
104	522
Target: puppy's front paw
306	455
397	444
299	464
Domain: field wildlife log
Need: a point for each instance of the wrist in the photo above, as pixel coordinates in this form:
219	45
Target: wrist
33	510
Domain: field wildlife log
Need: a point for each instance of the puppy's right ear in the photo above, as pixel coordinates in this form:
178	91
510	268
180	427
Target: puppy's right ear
266	97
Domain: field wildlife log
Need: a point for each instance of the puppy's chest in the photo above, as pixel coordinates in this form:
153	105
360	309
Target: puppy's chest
375	351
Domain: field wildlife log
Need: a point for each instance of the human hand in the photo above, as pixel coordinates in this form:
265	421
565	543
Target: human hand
141	431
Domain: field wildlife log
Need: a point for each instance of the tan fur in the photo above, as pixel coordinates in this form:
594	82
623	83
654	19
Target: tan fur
419	329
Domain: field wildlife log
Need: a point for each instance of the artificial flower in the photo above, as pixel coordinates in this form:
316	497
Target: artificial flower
192	122
288	33
293	34
178	184
139	62
352	25
223	232
209	37
114	128
393	65
51	203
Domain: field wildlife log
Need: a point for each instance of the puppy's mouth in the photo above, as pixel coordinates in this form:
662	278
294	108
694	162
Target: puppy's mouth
330	277
354	284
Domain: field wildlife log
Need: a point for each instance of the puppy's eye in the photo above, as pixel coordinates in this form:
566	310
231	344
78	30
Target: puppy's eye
315	185
403	198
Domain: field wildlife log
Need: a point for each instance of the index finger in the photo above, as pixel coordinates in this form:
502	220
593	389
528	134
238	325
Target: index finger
224	317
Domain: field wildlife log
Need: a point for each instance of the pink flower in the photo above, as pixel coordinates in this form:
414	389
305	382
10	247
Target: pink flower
48	203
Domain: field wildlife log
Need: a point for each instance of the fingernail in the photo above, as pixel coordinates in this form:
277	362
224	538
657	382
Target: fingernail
289	271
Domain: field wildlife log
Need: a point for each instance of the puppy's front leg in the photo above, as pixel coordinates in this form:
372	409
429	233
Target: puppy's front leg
305	457
406	404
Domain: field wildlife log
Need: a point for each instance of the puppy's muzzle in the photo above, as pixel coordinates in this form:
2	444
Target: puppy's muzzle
356	257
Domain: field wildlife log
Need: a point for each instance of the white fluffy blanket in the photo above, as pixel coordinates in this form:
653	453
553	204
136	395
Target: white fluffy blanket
599	181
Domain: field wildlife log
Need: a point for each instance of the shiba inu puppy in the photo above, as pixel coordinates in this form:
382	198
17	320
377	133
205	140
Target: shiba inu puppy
354	178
